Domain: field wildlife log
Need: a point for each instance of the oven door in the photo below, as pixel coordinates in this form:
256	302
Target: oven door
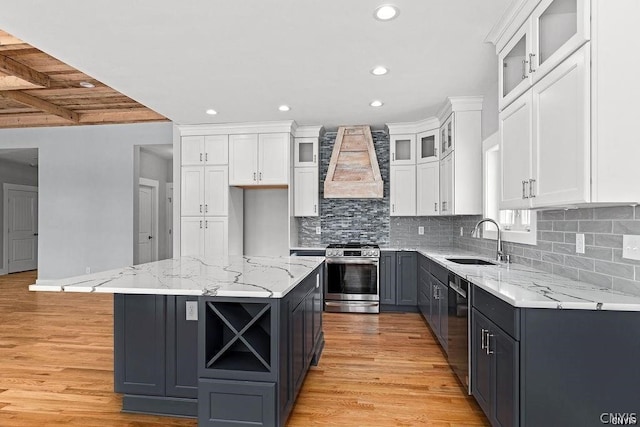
352	279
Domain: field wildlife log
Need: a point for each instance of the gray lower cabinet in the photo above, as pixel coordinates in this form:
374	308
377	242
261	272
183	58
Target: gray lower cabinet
387	281
236	403
398	280
433	298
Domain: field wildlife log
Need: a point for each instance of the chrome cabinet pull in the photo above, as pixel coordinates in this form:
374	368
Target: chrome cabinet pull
489	351
206	224
315	207
393	156
314	158
435	151
254	176
524	189
200	208
531	70
260	176
206	157
524	69
393	207
200	224
200	156
483	345
531	192
206	208
435	207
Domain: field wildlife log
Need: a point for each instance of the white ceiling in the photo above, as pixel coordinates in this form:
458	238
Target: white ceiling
245	58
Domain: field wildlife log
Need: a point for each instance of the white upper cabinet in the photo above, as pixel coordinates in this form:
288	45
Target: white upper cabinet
306	152
428	146
428	189
192	191
403	190
204	150
447	185
216	191
204	191
403	149
305	184
259	159
555	29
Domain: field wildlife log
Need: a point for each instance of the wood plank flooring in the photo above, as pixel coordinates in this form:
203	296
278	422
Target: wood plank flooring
56	368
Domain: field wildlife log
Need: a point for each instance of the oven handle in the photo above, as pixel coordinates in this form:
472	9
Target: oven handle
353	303
458	289
352	261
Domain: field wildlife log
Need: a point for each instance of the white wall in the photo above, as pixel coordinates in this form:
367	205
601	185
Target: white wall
13	173
490	111
266	222
86	187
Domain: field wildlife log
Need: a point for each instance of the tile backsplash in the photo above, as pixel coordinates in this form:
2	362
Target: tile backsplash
555	252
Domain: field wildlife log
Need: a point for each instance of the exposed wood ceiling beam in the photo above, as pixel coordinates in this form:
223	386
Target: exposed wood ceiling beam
15	68
133	115
41	105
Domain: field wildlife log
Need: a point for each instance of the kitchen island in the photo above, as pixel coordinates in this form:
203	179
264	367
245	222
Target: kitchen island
227	340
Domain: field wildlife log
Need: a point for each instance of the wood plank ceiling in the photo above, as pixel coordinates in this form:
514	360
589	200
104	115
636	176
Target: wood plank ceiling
39	90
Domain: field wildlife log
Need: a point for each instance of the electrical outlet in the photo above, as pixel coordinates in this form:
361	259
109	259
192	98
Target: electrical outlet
87	270
461	231
421	230
318	230
631	247
579	243
191	308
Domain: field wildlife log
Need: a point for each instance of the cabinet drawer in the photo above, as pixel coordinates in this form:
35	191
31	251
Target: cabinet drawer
499	312
238	403
439	272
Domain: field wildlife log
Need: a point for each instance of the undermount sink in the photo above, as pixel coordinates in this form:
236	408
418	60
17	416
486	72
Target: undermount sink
471	261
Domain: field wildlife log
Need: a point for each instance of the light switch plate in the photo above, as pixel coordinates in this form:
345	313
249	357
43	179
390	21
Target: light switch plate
318	230
421	230
631	247
192	310
579	243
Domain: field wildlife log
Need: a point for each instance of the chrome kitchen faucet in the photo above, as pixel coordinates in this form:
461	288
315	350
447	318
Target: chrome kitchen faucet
500	255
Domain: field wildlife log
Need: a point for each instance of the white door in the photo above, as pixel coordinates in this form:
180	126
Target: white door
515	153
273	159
192	150
216	149
305	196
147	240
428	189
561	131
403	191
169	230
192	191
216	190
243	159
192	236
215	237
23	230
447	185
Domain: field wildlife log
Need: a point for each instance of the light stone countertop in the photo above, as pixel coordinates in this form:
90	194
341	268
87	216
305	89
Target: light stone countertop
523	286
239	276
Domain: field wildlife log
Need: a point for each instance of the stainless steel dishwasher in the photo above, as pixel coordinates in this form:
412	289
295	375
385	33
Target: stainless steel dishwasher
459	327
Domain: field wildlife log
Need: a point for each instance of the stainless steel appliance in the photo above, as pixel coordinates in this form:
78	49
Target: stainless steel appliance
459	345
352	278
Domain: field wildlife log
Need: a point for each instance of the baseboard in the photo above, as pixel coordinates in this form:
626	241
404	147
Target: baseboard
157	405
390	308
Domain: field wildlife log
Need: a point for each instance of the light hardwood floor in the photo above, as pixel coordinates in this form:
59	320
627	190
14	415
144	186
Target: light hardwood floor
56	368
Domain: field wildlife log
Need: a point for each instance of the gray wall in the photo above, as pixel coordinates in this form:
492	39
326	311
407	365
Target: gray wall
601	264
13	173
86	187
266	222
155	167
490	111
344	220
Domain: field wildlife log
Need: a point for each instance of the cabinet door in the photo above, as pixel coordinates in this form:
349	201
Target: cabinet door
407	278
443	304
403	191
305	191
504	351
514	75
428	145
181	348
243	159
428	189
559	28
515	153
192	191
308	327
192	150
273	159
403	149
216	191
297	346
387	282
434	314
192	236
447	137
139	344
317	307
561	134
481	366
446	185
216	237
216	149
306	152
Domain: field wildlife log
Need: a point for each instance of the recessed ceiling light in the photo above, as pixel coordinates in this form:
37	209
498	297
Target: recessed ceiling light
376	103
211	112
88	85
379	70
284	108
386	12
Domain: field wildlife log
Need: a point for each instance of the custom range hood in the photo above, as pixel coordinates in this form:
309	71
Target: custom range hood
353	170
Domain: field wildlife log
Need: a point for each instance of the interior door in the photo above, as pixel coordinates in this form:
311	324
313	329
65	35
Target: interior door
23	230
146	225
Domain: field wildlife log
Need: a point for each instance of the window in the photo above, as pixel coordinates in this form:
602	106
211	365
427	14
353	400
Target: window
517	225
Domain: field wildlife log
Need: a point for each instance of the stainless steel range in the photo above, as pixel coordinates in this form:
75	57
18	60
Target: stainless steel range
353	271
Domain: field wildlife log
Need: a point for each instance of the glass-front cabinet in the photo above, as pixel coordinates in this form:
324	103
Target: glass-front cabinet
306	152
555	29
447	136
428	146
403	149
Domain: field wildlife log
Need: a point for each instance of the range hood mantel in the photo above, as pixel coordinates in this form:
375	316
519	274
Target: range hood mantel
353	170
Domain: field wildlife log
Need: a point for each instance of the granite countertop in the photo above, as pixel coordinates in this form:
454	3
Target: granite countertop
523	286
239	276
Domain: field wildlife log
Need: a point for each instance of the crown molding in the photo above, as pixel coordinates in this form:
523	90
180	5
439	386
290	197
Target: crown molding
517	13
460	103
429	123
309	132
288	126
